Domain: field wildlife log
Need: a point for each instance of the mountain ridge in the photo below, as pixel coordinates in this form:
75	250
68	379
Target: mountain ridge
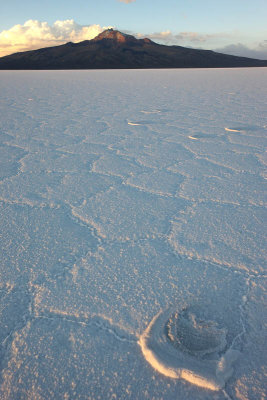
112	49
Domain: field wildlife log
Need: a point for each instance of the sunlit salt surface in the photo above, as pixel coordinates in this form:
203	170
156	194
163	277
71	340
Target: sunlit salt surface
133	234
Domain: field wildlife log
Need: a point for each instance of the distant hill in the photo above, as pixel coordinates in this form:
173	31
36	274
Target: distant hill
115	50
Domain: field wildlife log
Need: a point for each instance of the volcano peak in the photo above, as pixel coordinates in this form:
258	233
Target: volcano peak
115	35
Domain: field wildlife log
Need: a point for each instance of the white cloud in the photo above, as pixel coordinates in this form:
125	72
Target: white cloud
126	1
182	37
210	41
36	34
161	36
193	37
239	49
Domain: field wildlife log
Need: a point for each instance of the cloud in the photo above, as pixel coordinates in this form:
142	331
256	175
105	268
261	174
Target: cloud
126	1
239	49
161	36
35	34
182	37
195	37
210	41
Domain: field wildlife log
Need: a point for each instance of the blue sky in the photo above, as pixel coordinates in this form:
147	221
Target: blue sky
236	25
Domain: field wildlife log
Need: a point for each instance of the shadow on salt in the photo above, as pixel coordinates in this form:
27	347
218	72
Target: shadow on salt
182	345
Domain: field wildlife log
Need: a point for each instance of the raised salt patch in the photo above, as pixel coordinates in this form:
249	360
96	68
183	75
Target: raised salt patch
233	130
150	112
182	345
134	123
192	138
243	128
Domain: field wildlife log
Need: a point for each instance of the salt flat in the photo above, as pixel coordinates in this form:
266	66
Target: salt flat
133	215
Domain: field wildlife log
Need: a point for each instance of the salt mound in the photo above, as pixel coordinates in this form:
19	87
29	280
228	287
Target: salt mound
243	128
182	345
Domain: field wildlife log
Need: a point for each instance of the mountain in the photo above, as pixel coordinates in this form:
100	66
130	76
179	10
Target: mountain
112	49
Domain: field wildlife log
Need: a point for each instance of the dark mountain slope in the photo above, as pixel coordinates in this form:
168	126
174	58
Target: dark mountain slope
112	49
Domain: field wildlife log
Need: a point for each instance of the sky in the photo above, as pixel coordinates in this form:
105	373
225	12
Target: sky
232	26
